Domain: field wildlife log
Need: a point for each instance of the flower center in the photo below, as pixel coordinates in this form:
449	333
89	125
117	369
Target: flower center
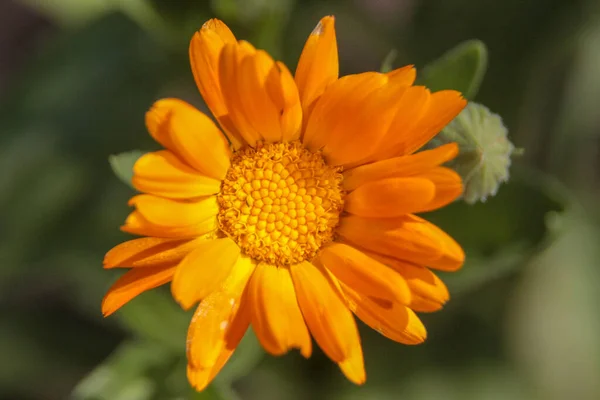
280	202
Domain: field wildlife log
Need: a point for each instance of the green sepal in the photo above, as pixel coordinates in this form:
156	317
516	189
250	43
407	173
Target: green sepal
461	68
122	164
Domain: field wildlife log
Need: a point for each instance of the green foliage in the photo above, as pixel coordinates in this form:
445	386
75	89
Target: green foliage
388	61
461	68
122	165
72	13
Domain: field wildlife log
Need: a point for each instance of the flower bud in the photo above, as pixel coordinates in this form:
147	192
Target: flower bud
485	151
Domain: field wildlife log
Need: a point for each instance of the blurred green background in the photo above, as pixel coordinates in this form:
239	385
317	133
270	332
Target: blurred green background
76	77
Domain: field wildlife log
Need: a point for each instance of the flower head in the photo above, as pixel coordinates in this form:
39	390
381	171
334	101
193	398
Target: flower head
298	211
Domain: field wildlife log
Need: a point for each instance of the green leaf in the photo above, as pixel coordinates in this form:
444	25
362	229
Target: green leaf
388	61
144	370
122	164
155	316
462	69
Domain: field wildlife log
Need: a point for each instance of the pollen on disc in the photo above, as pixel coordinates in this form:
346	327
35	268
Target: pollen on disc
280	202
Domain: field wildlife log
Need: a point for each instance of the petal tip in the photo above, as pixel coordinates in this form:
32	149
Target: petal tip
212	24
184	303
354	370
323	24
106	310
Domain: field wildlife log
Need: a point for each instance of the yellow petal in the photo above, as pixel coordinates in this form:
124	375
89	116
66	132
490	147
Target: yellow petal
284	94
328	319
203	270
391	197
399	166
200	378
175	213
133	283
353	366
364	274
428	291
137	224
259	109
205	48
149	252
276	316
221	319
398	322
407	238
161	173
190	134
318	66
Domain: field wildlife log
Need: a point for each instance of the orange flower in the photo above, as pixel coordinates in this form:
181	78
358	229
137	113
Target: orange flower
300	213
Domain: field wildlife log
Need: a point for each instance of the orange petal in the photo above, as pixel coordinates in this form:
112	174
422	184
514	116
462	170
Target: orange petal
318	66
343	97
284	94
327	317
174	213
429	293
203	270
161	173
405	75
399	166
407	238
398	322
133	283
363	273
391	197
205	48
200	378
149	252
193	136
260	94
231	73
349	131
409	105
448	187
221	319
421	118
276	316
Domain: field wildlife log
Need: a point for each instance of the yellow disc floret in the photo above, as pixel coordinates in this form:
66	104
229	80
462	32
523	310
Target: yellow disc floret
280	202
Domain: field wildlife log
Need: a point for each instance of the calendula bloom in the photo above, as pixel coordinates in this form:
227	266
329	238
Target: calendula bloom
298	211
